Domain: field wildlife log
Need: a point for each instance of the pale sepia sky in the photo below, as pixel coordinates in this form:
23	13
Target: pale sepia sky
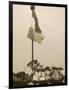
51	52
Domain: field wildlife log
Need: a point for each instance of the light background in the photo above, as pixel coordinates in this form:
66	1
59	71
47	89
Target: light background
4	50
51	52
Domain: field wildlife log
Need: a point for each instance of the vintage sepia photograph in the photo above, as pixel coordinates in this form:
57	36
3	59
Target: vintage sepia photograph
37	44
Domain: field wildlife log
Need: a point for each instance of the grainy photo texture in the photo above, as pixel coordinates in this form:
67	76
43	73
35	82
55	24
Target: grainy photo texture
37	44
